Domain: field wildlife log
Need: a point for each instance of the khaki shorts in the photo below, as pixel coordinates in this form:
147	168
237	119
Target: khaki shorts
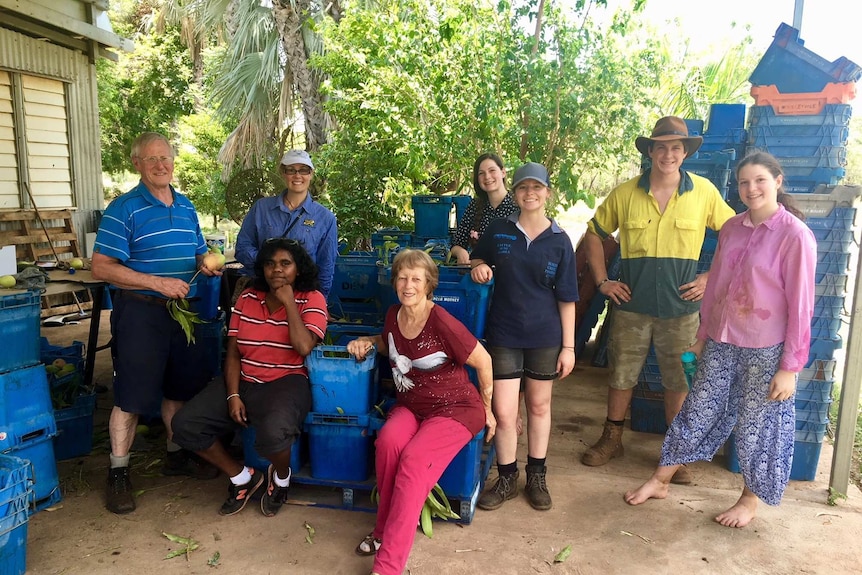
631	335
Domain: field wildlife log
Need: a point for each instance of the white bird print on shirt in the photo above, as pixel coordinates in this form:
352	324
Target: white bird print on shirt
403	364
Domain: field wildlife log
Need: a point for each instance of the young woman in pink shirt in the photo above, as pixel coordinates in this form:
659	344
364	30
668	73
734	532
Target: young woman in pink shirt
753	340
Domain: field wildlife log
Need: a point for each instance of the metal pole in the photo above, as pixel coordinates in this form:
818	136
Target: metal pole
797	14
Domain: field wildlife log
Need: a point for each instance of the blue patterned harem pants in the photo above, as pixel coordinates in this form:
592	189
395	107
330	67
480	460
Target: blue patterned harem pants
730	391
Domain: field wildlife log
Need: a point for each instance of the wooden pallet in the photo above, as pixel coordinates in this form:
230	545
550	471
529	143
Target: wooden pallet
22	229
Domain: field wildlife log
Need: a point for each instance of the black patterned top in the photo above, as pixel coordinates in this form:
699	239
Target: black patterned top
467	235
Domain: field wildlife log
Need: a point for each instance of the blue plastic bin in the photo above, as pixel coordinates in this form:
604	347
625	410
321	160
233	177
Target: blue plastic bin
46	483
647	412
808	125
818	369
465	470
837	219
461	203
792	68
368	312
15	481
339	446
208	293
832	262
25	406
339	383
252	458
19	324
814	390
75	428
823	349
694	126
13	540
726	119
355	276
391	235
806	455
431	215
830	285
211	335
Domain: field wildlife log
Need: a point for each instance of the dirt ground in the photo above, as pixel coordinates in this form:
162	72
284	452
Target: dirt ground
676	535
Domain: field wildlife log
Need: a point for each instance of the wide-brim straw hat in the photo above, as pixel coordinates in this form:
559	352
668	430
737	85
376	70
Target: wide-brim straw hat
667	129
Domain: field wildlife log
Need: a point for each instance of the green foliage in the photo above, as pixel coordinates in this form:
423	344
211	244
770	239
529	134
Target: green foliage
197	168
147	90
419	88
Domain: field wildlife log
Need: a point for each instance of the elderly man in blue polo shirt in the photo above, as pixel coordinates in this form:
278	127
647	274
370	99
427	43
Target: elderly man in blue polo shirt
148	246
295	215
661	216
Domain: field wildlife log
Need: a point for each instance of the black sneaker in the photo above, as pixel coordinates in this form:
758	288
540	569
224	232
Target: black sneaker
238	495
506	488
186	463
119	491
274	496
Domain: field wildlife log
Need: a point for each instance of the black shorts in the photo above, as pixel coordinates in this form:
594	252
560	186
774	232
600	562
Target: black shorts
276	410
516	363
152	358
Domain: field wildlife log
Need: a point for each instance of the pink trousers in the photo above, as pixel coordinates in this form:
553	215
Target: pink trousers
411	455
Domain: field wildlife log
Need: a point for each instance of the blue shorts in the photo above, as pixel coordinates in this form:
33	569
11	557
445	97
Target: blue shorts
515	363
152	358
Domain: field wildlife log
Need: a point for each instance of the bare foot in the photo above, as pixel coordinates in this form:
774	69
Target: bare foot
741	513
652	489
519	425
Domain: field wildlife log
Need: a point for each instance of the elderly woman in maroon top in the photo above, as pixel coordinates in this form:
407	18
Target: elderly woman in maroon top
437	411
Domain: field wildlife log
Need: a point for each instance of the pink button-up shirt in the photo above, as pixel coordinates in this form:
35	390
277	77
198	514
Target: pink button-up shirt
761	286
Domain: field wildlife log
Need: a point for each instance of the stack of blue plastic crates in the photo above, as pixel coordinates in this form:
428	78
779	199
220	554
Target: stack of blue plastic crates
798	120
27	424
16	495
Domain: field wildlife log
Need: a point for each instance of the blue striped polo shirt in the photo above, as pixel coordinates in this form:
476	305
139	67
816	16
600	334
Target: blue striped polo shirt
150	237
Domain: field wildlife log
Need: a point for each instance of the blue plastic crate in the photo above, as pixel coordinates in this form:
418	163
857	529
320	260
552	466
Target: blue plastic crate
802	157
647	412
807	125
251	458
15	481
824	135
830	285
391	235
13	541
355	276
724	118
825	327
829	306
339	383
813	409
810	431
837	219
808	181
792	68
465	470
827	200
818	370
461	203
694	126
342	333
75	428
339	446
823	348
369	312
208	294
833	240
832	262
71	355
431	215
764	139
25	406
46	483
19	324
813	390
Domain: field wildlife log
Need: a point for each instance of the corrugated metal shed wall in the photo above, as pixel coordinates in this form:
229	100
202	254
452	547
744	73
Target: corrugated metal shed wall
22	53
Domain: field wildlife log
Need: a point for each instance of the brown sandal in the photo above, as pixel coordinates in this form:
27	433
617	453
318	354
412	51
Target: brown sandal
368	546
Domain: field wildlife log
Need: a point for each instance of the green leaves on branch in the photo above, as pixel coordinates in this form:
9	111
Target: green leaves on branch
179	310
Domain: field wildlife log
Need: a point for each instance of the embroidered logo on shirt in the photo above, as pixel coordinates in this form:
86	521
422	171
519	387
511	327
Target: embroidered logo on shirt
309	223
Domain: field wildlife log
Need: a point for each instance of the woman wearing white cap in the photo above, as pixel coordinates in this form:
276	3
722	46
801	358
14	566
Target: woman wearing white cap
531	328
293	214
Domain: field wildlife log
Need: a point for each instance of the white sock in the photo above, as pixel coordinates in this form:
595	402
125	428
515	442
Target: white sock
279	481
242	477
120	460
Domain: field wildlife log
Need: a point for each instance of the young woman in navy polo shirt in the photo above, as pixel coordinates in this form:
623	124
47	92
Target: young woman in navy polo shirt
531	328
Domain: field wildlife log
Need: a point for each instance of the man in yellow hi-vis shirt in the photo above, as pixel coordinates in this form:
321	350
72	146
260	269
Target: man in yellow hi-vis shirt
661	216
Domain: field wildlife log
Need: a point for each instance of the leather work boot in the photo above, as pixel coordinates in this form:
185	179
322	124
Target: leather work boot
609	445
537	489
506	488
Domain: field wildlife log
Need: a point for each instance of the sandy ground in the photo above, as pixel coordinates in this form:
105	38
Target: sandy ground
676	535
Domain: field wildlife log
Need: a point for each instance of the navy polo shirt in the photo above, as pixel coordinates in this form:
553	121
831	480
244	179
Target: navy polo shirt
530	278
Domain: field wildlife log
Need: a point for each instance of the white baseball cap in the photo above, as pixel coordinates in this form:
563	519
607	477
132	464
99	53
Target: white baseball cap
297	157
